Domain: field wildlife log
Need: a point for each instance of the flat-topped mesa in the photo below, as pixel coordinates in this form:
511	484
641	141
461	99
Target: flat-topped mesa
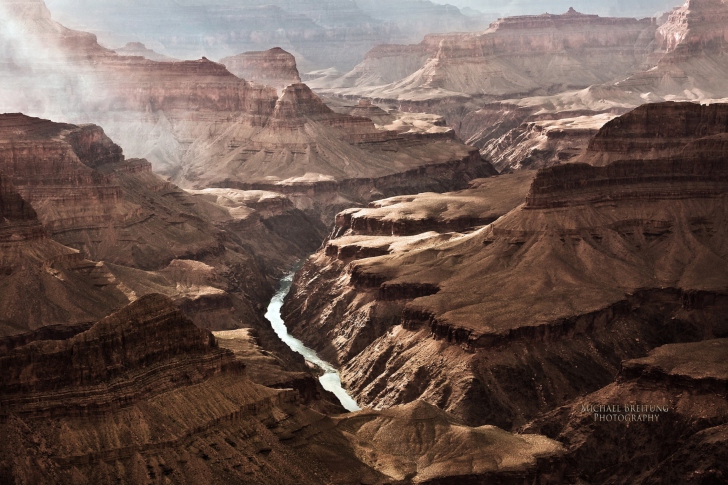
664	150
141	85
545	21
696	26
274	67
546	33
141	50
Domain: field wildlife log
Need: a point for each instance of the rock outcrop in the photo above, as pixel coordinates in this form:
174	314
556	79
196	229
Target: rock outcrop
139	49
336	33
619	259
87	231
667	423
274	67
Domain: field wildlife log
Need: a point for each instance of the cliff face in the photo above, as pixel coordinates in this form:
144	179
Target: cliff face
660	130
43	282
334	33
109	231
593	259
274	67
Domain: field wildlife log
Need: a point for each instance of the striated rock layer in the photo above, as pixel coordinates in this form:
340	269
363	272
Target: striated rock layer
492	325
144	395
523	55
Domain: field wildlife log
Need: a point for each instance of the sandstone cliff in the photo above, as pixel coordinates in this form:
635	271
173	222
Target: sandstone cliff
181	114
515	56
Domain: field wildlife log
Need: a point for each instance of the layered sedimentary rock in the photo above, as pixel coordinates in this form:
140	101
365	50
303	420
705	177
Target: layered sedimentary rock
144	394
323	160
139	49
691	48
515	56
662	131
667	422
619	259
274	67
43	282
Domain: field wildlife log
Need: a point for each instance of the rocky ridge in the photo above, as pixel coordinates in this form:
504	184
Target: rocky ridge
682	386
176	114
522	55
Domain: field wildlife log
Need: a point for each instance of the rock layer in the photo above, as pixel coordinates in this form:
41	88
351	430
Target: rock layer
145	395
515	56
179	114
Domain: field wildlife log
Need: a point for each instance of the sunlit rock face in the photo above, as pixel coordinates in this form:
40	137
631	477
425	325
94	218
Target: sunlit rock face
616	259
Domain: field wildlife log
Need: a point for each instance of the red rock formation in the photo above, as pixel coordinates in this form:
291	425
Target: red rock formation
274	67
144	393
139	49
659	130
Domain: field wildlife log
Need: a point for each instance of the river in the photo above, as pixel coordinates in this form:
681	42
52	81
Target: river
330	380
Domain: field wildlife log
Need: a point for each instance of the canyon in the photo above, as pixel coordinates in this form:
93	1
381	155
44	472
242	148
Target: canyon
504	318
203	127
477	309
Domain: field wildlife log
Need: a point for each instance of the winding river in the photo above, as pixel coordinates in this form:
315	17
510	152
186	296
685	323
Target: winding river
330	380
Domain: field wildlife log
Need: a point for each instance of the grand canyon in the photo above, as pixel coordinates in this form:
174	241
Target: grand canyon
363	242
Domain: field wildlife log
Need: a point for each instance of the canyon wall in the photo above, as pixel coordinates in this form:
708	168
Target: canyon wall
491	324
523	55
145	395
202	126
